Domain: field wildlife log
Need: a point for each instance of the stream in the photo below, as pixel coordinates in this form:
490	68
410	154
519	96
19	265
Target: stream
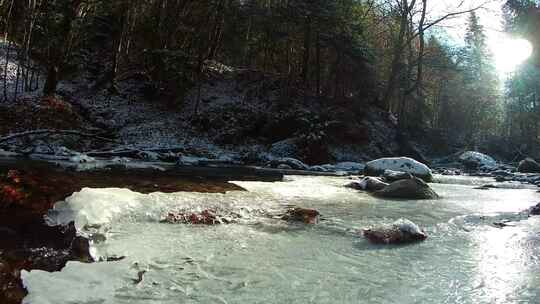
261	259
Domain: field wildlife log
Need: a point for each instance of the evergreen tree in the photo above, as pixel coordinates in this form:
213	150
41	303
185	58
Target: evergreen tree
522	96
480	83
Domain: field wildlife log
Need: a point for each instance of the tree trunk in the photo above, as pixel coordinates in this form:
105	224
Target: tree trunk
420	72
318	59
51	82
397	53
307	47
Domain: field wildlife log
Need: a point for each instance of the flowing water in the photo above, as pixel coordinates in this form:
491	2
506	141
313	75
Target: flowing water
261	259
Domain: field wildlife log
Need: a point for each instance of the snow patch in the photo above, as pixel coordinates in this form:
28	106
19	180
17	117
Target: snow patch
82	158
402	164
406	225
480	159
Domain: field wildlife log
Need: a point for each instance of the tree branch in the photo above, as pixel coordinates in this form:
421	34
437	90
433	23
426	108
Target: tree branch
442	18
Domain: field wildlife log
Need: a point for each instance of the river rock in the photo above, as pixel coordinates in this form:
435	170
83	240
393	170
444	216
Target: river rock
284	167
400	232
535	210
349	166
205	217
368	183
318	169
285	148
529	165
414	188
392	176
307	216
402	164
475	160
291	162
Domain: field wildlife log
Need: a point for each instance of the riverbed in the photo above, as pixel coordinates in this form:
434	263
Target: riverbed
262	259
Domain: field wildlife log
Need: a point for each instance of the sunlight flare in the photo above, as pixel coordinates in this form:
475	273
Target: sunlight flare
509	53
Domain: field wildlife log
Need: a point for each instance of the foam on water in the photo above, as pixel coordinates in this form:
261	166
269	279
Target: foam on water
262	259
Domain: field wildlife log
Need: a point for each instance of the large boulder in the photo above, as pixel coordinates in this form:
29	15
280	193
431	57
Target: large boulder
368	183
414	188
400	232
529	165
402	164
349	166
285	148
476	160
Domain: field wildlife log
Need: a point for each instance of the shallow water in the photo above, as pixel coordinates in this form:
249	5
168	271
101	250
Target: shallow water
466	259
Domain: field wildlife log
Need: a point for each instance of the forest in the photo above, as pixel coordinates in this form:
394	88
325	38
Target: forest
276	151
354	55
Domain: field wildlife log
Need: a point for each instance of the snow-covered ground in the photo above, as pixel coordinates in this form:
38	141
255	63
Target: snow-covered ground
237	117
8	70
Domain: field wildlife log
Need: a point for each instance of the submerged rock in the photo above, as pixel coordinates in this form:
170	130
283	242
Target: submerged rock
400	232
368	183
205	217
402	164
414	188
529	165
307	216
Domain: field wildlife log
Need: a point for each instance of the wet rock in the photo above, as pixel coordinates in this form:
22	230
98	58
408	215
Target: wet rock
448	171
535	210
349	166
502	173
368	183
291	162
11	288
392	176
318	169
529	165
401	231
414	188
80	250
206	217
402	164
35	245
284	167
486	187
307	216
503	223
